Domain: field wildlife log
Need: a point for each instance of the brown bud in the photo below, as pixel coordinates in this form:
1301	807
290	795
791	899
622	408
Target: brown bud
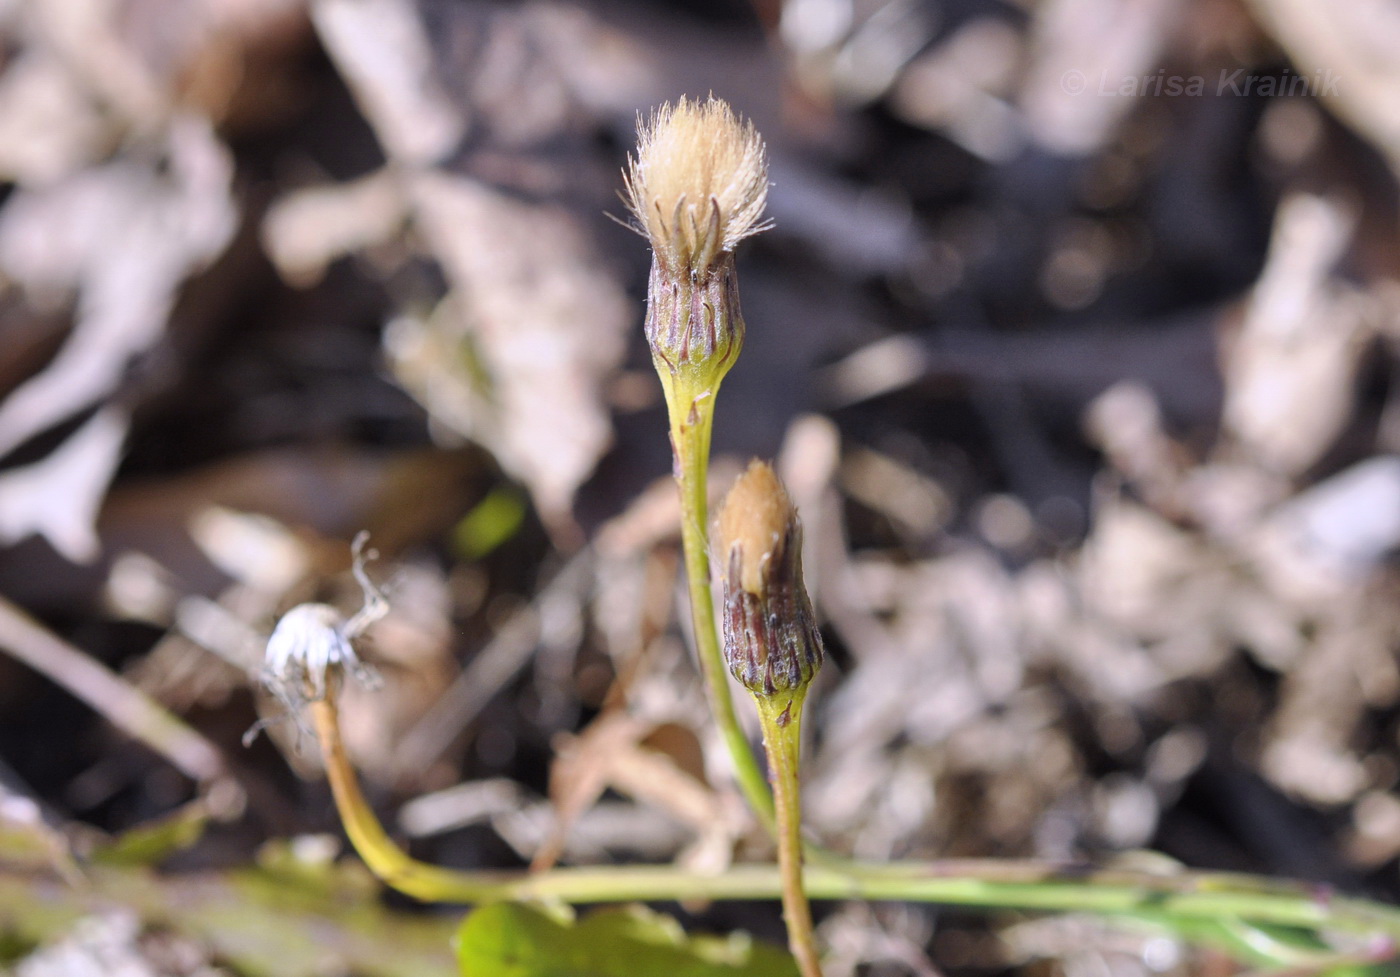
771	641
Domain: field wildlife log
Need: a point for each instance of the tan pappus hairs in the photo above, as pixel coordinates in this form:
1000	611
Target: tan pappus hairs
697	187
698	183
771	641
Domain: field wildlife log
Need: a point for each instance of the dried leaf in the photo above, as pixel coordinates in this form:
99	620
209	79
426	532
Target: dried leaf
59	496
1077	46
383	53
1346	50
1290	371
49	125
626	754
125	236
538	325
84	35
308	229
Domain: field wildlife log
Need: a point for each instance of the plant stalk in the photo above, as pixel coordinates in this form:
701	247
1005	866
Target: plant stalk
692	409
781	719
1181	900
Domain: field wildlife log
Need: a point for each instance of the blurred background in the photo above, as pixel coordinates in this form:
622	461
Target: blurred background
1074	338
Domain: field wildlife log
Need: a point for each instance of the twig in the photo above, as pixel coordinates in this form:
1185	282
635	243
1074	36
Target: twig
488	672
124	706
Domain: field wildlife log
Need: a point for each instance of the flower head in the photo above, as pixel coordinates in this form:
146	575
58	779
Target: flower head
771	641
696	188
698	183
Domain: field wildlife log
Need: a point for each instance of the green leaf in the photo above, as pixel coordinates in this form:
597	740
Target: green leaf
1267	947
515	940
493	521
155	841
1362	970
256	922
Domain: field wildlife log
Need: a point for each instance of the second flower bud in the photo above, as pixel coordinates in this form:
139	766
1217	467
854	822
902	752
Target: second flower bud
771	641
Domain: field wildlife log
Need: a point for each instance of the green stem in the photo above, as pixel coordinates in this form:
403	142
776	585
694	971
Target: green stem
1175	899
781	719
692	412
384	858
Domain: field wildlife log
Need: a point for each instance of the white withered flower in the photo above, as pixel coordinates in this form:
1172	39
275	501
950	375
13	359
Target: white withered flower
313	645
308	647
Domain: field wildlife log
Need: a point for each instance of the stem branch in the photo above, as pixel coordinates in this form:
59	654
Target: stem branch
692	417
781	718
1179	898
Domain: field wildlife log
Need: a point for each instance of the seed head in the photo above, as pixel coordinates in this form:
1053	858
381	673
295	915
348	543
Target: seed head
313	645
696	188
698	183
309	646
771	641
